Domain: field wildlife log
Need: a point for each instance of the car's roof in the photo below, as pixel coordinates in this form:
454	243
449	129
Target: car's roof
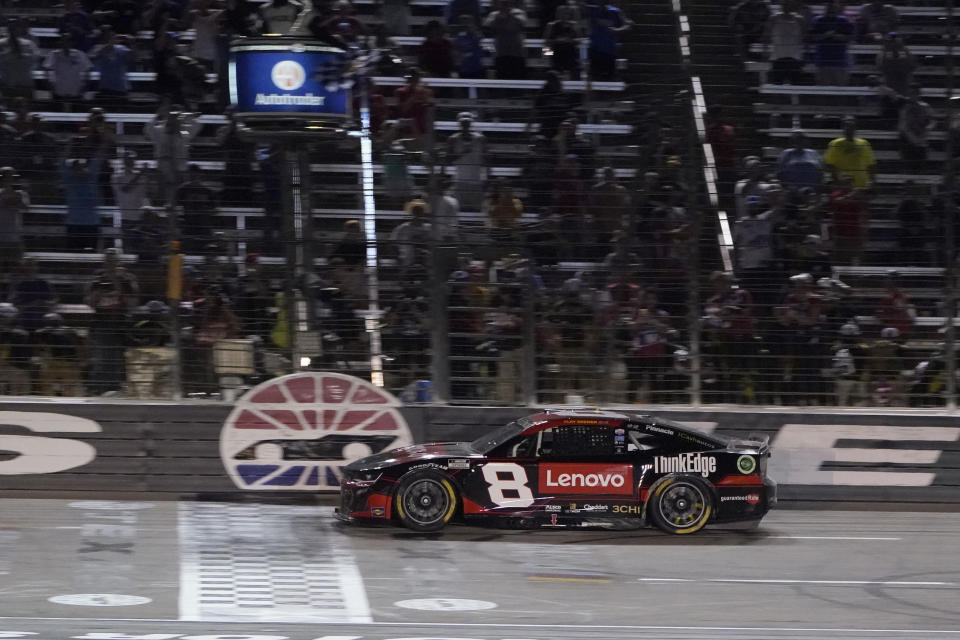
598	417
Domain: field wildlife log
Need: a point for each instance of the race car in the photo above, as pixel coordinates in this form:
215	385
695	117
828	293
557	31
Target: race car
567	469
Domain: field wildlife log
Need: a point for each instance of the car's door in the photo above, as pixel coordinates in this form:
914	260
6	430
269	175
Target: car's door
586	468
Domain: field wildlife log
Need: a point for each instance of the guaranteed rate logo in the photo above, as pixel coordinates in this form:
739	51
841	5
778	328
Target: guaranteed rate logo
294	433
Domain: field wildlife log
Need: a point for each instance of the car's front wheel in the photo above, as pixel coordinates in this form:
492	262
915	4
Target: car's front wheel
426	500
680	505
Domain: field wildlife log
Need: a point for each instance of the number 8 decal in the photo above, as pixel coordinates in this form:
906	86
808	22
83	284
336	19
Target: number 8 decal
511	478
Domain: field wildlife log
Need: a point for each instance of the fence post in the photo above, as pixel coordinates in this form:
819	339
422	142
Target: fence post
949	232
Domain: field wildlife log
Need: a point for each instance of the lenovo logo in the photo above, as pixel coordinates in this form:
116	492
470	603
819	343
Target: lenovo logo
601	479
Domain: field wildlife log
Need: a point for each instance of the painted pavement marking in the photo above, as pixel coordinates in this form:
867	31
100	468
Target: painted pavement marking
260	562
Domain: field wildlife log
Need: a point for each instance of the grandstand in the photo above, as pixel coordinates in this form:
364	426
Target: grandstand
546	278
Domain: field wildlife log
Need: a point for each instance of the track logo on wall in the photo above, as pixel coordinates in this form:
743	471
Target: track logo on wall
295	432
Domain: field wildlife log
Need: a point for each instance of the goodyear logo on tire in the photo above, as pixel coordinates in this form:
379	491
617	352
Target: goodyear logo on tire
294	433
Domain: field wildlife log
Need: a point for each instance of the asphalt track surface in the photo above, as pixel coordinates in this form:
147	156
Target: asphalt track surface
220	571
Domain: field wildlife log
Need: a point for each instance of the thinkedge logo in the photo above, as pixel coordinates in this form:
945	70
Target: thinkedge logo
595	479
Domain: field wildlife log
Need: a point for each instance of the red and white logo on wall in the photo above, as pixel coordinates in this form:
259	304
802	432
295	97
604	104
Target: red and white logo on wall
586	478
293	433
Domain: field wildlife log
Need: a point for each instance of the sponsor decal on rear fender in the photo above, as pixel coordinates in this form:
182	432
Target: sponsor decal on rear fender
586	478
685	463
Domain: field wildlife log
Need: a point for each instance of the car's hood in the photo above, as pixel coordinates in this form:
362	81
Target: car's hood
413	453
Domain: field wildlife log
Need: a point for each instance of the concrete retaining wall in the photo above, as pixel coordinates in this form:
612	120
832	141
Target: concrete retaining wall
170	448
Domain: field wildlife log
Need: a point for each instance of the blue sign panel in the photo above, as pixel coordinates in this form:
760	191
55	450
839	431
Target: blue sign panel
284	79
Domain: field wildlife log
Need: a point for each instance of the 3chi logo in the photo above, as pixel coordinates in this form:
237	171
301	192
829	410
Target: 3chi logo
288	75
746	464
293	433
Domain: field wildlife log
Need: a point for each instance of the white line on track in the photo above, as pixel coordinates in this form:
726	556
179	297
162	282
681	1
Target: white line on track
483	625
830	538
886	583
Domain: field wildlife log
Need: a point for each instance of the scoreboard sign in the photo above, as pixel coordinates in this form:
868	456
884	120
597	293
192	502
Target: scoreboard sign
284	76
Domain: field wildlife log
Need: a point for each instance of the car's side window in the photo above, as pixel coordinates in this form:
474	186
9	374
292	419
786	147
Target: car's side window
642	441
522	448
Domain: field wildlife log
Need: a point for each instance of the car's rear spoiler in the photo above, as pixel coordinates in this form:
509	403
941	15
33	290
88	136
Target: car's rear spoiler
758	441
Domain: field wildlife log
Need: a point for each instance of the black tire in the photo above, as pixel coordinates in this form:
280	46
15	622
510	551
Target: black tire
426	500
680	505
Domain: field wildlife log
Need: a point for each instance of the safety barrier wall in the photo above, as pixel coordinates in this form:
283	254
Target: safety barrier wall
171	448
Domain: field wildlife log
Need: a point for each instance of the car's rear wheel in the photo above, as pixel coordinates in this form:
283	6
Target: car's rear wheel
680	505
426	500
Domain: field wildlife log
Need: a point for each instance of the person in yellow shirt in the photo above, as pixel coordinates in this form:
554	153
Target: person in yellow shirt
851	156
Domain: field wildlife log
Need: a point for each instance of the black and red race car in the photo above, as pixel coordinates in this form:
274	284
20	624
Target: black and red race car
567	469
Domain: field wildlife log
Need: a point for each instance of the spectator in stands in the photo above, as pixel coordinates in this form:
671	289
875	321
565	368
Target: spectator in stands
199	205
80	177
570	200
753	241
915	232
18	60
168	83
253	299
551	106
457	8
345	25
15	354
445	211
148	239
205	19
851	156
32	294
415	104
723	140
914	126
59	354
562	37
538	173
113	60
885	366
411	239
747	19
77	25
166	15
503	214
436	51
352	248
800	167
754	184
572	318
468	49
621	263
800	316
112	293
569	142
123	16
67	70
129	187
877	19
279	15
14	204
8	139
848	211
508	26
36	156
895	308
896	64
171	133
216	322
785	35
467	153
607	22
847	367
832	33
609	206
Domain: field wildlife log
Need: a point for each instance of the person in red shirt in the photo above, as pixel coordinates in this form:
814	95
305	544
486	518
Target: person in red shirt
848	209
896	310
415	102
436	51
723	140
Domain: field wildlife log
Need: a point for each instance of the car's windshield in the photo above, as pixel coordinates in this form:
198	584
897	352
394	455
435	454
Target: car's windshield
495	438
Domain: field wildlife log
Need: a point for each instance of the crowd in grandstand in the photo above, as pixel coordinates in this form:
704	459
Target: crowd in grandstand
567	274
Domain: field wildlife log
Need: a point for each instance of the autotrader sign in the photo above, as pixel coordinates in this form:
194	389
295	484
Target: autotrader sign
283	76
